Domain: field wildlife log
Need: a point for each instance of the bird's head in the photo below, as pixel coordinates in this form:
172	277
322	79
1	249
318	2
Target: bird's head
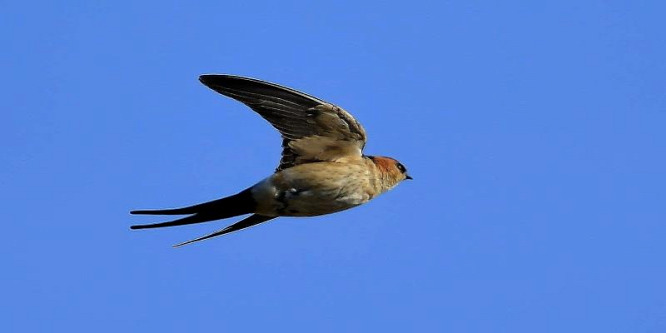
393	172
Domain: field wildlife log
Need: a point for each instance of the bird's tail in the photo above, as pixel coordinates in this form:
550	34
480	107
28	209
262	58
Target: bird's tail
238	204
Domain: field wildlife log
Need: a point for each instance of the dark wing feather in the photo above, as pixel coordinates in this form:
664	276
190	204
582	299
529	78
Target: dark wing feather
312	129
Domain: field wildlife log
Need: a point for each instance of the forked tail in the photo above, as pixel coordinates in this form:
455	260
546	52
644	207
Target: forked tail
238	204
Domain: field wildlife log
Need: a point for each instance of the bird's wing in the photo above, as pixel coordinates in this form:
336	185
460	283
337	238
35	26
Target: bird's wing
312	129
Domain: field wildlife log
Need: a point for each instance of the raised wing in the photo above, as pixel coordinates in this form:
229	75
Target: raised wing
312	129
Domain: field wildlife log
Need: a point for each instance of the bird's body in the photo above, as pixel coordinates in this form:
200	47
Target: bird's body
319	188
322	170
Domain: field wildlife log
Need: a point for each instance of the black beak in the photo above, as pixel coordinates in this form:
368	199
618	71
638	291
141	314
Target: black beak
408	177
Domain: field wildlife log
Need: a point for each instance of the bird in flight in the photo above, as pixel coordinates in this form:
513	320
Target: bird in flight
322	170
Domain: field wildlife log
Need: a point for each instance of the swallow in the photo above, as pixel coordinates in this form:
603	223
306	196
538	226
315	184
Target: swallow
322	169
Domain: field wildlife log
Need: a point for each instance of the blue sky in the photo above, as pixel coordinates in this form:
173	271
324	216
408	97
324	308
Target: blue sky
534	131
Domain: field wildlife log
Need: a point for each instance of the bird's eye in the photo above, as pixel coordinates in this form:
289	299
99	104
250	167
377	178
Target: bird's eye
401	167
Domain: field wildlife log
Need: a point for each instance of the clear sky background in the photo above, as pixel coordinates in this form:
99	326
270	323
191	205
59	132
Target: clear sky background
535	131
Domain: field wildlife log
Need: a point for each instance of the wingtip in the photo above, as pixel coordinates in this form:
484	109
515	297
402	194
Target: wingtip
208	79
204	78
